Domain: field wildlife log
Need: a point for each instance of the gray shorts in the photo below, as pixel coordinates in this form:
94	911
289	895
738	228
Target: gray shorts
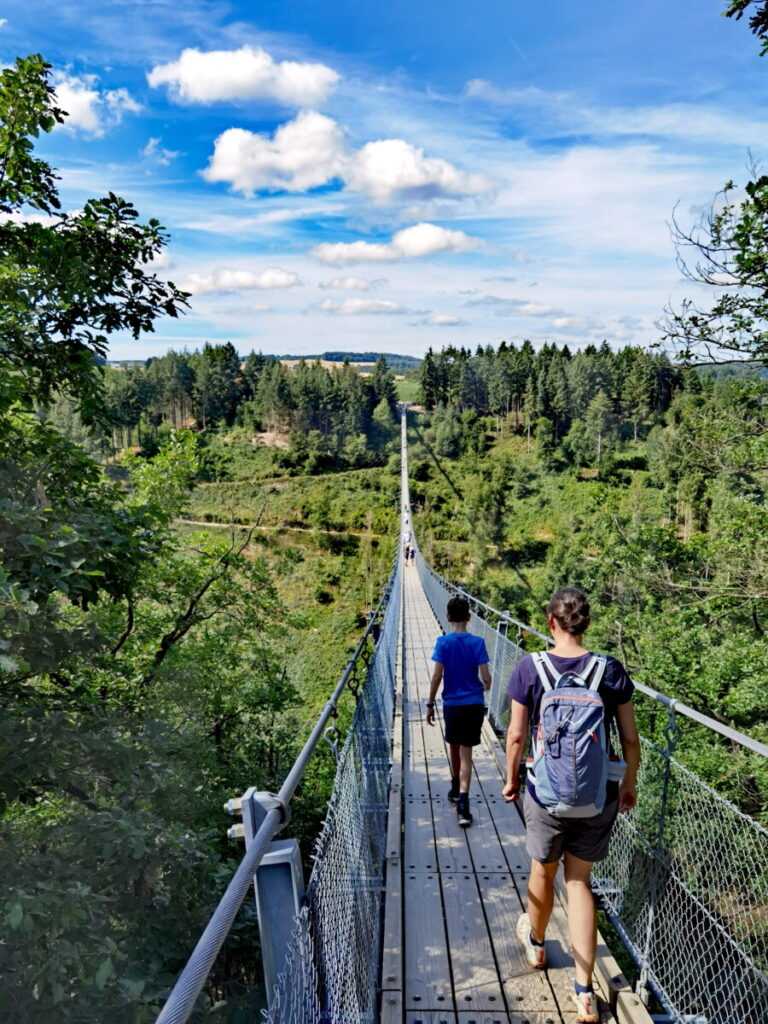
548	837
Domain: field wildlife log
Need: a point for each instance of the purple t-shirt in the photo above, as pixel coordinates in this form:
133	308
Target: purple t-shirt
525	688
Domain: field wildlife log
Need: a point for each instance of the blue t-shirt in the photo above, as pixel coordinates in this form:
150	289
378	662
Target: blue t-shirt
525	687
460	654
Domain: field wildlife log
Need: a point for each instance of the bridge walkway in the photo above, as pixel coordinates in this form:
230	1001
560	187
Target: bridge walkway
454	894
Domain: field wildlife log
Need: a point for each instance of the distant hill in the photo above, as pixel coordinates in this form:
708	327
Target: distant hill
395	362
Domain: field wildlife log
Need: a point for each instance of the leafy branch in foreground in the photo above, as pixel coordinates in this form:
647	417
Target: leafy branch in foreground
67	280
729	248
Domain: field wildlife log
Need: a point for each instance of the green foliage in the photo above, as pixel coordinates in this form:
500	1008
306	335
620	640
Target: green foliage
87	266
758	22
672	555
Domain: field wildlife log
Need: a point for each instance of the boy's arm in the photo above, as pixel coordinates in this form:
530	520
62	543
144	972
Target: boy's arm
434	686
485	675
517	733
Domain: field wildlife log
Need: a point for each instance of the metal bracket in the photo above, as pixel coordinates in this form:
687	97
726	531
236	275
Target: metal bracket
256	805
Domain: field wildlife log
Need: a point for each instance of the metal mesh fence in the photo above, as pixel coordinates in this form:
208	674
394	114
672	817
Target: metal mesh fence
331	971
686	884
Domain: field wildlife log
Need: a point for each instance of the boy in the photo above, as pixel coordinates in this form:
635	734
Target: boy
458	657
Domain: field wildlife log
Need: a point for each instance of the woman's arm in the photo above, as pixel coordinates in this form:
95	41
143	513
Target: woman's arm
517	734
630	745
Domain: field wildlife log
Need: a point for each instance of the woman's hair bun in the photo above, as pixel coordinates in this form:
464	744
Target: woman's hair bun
569	607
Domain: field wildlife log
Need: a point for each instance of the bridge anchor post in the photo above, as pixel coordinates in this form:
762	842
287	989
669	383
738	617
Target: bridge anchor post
279	887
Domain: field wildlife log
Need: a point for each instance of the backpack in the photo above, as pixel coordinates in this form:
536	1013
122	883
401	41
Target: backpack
570	755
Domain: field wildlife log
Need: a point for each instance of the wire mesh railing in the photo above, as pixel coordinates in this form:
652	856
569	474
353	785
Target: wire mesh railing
686	878
331	972
685	884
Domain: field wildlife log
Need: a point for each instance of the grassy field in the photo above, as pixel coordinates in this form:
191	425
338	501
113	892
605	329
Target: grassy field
407	390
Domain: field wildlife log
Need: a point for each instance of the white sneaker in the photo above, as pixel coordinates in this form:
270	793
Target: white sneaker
535	955
586	1004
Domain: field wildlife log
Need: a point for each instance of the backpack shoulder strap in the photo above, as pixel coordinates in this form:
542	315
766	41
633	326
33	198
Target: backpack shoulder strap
596	669
540	663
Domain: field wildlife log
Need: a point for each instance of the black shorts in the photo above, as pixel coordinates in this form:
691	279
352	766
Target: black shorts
463	723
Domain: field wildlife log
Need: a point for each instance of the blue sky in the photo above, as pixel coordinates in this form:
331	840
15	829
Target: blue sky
392	177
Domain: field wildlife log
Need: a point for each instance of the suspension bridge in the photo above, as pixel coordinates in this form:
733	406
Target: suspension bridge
407	919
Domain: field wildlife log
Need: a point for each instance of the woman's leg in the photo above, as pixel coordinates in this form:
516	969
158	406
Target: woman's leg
541	895
582	920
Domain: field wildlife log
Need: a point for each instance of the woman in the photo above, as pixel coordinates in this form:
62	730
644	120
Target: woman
580	841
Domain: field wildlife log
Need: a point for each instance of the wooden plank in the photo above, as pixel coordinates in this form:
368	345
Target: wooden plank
391	1008
495	1017
526	990
475	979
427	973
419	852
392	945
430	1017
450	840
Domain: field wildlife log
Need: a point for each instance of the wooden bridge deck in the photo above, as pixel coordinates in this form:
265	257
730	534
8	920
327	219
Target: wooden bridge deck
453	896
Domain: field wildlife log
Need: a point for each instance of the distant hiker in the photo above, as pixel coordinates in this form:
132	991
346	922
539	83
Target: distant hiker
411	555
461	661
569	697
406	554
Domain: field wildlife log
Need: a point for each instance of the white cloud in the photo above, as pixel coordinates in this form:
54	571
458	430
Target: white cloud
442	320
356	284
513	307
161	261
410	243
568	113
360	307
247	73
3	21
224	279
303	154
392	169
89	109
311	151
154	153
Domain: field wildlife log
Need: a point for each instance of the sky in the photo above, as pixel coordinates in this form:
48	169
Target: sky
343	175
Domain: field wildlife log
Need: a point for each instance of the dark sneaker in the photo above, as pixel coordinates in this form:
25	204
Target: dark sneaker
453	792
463	813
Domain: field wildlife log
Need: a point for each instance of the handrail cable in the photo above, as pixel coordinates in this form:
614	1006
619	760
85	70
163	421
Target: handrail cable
182	998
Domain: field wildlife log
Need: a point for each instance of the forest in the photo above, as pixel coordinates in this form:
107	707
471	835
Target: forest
190	548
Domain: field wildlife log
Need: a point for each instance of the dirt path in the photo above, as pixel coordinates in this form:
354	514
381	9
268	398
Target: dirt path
296	529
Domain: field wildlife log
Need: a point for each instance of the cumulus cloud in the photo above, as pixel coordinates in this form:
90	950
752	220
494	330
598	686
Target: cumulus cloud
360	307
302	154
410	243
442	320
352	284
391	170
245	74
224	279
3	21
311	151
154	153
513	307
89	109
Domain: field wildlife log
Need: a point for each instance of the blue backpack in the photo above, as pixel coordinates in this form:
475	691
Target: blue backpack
570	754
